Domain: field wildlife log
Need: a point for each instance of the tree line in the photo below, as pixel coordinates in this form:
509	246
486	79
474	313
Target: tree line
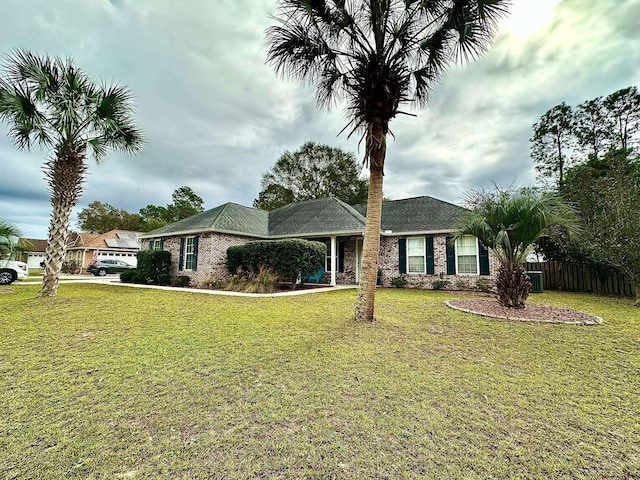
589	155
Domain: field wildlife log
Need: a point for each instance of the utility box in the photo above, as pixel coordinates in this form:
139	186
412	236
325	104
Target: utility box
536	282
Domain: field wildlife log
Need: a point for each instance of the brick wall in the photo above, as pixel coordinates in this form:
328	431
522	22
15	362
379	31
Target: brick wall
212	261
212	255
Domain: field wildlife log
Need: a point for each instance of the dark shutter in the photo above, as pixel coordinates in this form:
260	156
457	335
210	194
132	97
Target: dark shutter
181	257
341	257
161	244
150	244
402	255
430	259
484	259
451	257
195	253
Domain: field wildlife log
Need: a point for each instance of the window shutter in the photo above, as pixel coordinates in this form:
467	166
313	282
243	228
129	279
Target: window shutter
150	244
195	253
484	259
402	255
181	257
341	257
161	244
430	258
451	257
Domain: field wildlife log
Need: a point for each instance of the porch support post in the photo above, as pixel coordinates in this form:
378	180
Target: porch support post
333	260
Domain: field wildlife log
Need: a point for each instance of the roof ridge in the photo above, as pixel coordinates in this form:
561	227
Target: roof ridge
352	211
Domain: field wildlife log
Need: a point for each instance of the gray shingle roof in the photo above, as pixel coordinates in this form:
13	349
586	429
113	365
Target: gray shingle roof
325	216
322	216
229	217
417	214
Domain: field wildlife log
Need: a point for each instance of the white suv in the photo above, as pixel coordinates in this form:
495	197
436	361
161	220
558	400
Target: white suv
10	271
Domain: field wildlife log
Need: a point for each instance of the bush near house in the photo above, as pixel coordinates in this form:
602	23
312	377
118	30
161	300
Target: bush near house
152	264
288	259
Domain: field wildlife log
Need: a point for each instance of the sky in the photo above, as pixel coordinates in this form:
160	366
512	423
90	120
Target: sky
216	116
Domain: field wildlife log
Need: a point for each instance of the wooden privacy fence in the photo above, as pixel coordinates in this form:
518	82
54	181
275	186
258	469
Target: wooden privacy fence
575	278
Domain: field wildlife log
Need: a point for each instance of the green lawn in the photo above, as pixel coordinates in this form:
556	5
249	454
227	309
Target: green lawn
116	382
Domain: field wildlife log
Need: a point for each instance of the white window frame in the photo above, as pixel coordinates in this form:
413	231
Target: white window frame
189	252
156	244
424	256
477	255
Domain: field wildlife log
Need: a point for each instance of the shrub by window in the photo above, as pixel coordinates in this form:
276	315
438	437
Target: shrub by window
289	259
152	264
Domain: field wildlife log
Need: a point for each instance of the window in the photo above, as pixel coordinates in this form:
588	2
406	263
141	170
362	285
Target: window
416	255
156	244
189	249
327	258
467	255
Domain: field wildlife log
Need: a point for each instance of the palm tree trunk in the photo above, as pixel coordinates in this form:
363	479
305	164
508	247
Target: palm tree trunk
371	248
65	175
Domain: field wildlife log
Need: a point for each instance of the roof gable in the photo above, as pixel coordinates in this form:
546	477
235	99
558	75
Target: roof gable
229	217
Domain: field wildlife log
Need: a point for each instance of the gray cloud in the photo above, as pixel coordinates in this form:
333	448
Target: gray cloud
216	116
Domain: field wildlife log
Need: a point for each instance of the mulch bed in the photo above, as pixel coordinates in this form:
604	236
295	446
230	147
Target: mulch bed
532	312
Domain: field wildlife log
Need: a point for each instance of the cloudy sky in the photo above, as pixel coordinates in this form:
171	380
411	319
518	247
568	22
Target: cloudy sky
216	117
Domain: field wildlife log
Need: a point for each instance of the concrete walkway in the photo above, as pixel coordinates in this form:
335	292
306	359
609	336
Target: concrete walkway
115	280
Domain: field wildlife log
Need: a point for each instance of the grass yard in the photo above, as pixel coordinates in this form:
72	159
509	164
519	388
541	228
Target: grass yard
116	382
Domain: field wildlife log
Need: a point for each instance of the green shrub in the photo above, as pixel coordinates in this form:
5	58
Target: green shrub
164	279
139	279
181	281
128	275
400	281
287	259
484	285
152	264
440	284
71	267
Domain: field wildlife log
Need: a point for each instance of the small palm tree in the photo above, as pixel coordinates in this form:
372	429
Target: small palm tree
509	222
378	55
53	104
8	232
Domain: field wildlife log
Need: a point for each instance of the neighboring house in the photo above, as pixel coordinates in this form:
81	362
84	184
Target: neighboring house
34	252
114	245
415	240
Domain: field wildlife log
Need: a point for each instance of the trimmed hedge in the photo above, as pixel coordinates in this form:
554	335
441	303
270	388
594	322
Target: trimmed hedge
128	275
286	258
152	264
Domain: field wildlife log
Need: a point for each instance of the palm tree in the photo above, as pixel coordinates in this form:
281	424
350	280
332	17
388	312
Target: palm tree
8	232
509	222
378	55
53	104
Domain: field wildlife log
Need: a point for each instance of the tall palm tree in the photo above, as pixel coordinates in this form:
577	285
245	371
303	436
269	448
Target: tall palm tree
508	222
378	55
53	104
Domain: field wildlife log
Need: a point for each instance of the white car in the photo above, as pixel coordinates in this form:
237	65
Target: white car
11	270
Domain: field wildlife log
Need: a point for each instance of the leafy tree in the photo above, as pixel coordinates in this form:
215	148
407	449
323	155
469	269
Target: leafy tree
378	55
552	141
591	127
607	196
313	171
274	196
53	104
509	222
100	217
186	203
623	109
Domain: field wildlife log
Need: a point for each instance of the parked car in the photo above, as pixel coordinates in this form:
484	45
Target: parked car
102	267
10	271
